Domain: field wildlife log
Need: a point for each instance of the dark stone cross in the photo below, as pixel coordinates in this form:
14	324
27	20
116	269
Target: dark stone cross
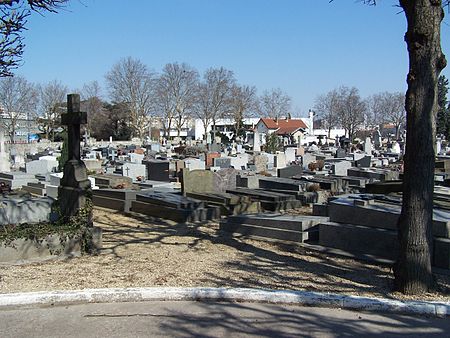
73	119
75	185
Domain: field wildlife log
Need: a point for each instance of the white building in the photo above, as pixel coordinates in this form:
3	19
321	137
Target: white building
225	126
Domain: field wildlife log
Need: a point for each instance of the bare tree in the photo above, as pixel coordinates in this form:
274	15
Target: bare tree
175	95
18	99
131	82
351	110
13	20
274	104
374	116
389	108
91	95
52	97
327	108
243	103
212	99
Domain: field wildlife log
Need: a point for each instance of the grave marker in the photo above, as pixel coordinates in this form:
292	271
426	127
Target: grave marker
75	184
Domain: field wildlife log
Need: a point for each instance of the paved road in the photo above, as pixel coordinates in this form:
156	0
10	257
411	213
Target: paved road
214	319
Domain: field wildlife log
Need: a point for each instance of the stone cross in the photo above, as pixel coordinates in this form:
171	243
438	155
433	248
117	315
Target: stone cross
75	184
73	119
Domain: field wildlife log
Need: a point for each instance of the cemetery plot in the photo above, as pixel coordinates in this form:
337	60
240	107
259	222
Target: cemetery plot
173	207
374	173
270	201
29	221
229	204
112	181
37	189
286	228
281	184
366	225
16	180
116	199
333	184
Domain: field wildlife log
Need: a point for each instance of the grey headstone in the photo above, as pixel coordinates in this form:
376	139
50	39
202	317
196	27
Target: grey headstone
290	171
222	162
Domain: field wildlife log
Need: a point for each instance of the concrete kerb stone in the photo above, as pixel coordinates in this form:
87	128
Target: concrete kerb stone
225	294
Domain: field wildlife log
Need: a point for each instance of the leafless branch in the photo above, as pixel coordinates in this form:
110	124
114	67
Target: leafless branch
13	20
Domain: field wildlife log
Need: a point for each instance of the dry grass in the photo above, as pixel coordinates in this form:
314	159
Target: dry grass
141	252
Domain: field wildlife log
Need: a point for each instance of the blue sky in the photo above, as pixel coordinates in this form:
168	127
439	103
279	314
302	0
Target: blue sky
304	47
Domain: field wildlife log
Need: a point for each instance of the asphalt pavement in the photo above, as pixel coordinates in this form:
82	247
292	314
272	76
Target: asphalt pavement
210	319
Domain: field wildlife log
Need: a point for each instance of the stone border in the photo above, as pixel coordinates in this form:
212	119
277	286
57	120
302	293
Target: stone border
51	247
305	298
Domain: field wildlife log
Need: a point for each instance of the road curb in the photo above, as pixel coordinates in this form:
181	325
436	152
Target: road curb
306	298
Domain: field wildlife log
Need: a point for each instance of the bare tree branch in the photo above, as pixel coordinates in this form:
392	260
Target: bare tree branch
13	20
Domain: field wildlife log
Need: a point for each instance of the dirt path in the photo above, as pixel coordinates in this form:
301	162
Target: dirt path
141	252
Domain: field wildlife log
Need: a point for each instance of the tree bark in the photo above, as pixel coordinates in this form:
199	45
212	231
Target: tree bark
413	266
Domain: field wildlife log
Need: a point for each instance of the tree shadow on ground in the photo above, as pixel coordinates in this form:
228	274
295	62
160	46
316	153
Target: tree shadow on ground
276	320
258	264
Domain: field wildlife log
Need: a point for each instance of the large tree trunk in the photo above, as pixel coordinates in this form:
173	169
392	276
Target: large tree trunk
413	267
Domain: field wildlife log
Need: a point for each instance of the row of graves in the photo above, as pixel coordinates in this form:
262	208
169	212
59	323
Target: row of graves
354	193
355	196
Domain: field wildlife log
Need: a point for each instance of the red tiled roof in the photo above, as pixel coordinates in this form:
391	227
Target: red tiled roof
283	126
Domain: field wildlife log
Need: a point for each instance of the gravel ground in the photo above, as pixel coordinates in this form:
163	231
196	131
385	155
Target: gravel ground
139	251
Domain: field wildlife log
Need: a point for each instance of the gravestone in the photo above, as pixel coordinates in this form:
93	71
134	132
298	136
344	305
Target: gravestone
233	149
368	146
260	162
156	147
340	168
270	160
134	171
214	147
377	139
75	185
93	165
396	148
239	162
307	159
364	162
290	171
279	160
136	158
206	181
340	153
157	170
45	164
194	164
210	157
4	156
222	162
290	154
17	179
300	151
256	141
438	146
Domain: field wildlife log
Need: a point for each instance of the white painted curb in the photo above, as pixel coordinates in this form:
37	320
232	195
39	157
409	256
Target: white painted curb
225	294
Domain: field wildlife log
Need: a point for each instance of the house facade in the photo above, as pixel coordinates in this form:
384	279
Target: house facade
290	131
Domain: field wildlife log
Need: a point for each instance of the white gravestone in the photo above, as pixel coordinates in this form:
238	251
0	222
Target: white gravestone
4	156
256	142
